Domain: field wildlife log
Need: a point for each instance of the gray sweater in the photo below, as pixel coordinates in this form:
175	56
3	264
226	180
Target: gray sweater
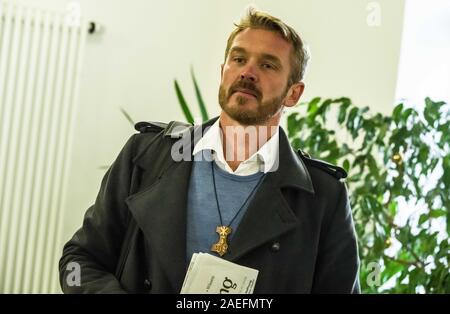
202	213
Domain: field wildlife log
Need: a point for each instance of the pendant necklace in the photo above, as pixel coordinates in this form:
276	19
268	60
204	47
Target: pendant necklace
221	247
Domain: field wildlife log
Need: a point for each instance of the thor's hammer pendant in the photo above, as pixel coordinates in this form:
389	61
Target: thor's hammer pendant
221	247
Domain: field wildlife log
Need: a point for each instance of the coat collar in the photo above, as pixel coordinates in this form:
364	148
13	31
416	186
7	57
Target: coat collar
160	208
292	172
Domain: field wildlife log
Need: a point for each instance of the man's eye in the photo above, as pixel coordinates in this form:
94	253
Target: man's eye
238	59
267	66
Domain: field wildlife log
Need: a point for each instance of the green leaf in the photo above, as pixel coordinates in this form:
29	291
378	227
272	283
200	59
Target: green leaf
183	104
396	114
372	164
343	112
446	170
200	101
382	133
292	125
404	237
127	116
431	111
343	100
351	121
423	154
393	208
391	269
363	110
435	213
346	165
323	109
313	107
398	137
407	113
423	218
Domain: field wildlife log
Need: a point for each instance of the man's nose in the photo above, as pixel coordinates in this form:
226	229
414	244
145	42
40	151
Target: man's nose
249	74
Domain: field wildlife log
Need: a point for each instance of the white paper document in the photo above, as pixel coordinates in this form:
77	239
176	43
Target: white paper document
210	274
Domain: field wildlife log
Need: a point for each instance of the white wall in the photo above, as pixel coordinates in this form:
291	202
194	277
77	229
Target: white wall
425	67
148	43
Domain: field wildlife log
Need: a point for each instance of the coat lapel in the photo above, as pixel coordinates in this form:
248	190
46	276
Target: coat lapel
267	217
269	214
160	212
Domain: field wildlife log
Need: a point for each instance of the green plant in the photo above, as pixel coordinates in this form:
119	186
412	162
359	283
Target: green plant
183	104
127	116
391	161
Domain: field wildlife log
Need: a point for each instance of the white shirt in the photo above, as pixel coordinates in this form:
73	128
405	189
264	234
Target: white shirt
265	159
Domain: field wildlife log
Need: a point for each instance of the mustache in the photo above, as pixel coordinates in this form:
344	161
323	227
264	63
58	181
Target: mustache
245	85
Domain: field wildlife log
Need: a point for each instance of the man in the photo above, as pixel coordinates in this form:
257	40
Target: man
281	213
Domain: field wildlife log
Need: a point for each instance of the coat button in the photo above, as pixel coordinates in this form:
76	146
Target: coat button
148	284
275	247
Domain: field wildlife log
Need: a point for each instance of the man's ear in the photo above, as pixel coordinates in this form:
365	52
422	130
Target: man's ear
294	93
221	71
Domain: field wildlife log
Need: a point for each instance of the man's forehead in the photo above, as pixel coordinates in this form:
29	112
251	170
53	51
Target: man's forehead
261	41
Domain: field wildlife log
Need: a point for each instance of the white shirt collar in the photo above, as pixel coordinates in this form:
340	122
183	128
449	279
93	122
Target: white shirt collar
265	159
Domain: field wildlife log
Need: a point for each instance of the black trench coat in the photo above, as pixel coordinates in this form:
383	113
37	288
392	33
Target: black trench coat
297	231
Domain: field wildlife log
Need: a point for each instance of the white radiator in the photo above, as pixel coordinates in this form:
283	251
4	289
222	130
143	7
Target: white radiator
40	58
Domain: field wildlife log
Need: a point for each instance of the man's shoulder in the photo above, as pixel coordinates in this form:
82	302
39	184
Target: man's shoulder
159	133
150	126
321	166
149	133
170	129
326	178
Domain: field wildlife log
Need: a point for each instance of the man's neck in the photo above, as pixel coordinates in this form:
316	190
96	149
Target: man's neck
241	142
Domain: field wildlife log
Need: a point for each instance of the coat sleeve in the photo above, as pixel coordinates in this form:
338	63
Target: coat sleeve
337	267
96	246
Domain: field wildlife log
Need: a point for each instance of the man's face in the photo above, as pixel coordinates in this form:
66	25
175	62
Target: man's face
254	77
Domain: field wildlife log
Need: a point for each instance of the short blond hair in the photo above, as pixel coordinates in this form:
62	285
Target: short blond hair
262	20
